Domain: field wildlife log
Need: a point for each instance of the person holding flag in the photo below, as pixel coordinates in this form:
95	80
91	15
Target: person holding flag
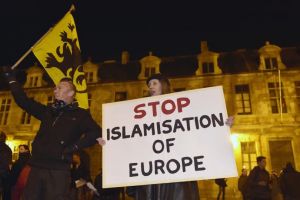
66	125
65	128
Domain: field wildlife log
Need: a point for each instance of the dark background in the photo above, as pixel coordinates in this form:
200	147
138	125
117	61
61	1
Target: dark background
106	28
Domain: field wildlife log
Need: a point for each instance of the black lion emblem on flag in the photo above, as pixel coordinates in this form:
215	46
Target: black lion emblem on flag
70	65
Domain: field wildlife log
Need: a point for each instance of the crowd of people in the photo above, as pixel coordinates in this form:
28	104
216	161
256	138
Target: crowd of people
57	167
261	185
13	175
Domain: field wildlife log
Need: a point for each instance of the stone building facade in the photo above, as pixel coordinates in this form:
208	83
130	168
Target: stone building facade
261	87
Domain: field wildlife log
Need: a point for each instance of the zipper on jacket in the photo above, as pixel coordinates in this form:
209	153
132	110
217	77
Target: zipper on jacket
58	116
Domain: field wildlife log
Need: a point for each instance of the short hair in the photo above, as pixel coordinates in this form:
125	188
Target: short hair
70	81
2	136
260	158
26	147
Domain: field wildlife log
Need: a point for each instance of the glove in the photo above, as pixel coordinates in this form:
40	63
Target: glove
8	73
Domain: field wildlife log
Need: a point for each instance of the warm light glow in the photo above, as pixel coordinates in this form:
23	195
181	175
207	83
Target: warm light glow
11	144
234	140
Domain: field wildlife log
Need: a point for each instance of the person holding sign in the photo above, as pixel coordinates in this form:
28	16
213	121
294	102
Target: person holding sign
159	84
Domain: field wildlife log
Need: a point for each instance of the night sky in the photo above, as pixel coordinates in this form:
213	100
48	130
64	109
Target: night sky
106	28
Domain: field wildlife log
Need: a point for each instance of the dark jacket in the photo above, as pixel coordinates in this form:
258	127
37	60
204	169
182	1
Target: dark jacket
5	160
221	182
242	183
5	157
18	166
254	190
289	182
60	131
169	191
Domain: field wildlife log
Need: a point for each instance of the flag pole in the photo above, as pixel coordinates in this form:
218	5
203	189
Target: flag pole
280	94
30	49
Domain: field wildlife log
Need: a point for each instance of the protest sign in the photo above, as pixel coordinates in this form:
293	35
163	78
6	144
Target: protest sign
168	138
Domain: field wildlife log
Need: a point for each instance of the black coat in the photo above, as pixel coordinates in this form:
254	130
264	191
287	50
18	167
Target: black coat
221	182
289	183
5	157
254	190
60	131
169	191
17	167
5	160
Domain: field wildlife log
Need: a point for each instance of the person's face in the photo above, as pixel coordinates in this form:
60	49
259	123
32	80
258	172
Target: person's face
22	149
262	164
244	172
63	91
155	87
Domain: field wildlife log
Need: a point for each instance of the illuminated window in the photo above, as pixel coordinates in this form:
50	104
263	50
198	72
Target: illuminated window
33	81
149	71
275	98
4	110
26	118
271	63
120	96
242	99
207	67
89	77
297	90
248	155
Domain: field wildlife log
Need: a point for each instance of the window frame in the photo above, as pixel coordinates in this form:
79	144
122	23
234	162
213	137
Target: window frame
5	108
274	98
243	92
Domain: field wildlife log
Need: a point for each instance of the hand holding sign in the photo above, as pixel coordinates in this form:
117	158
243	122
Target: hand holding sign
229	121
101	141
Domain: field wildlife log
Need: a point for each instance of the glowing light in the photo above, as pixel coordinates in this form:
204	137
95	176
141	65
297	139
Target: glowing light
11	144
234	140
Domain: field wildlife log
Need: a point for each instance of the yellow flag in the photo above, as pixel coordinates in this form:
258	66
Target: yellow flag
59	53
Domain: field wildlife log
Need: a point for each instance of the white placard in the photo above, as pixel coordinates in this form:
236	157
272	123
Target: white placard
168	138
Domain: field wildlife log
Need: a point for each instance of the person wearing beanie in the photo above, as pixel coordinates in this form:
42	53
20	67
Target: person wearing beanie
158	84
